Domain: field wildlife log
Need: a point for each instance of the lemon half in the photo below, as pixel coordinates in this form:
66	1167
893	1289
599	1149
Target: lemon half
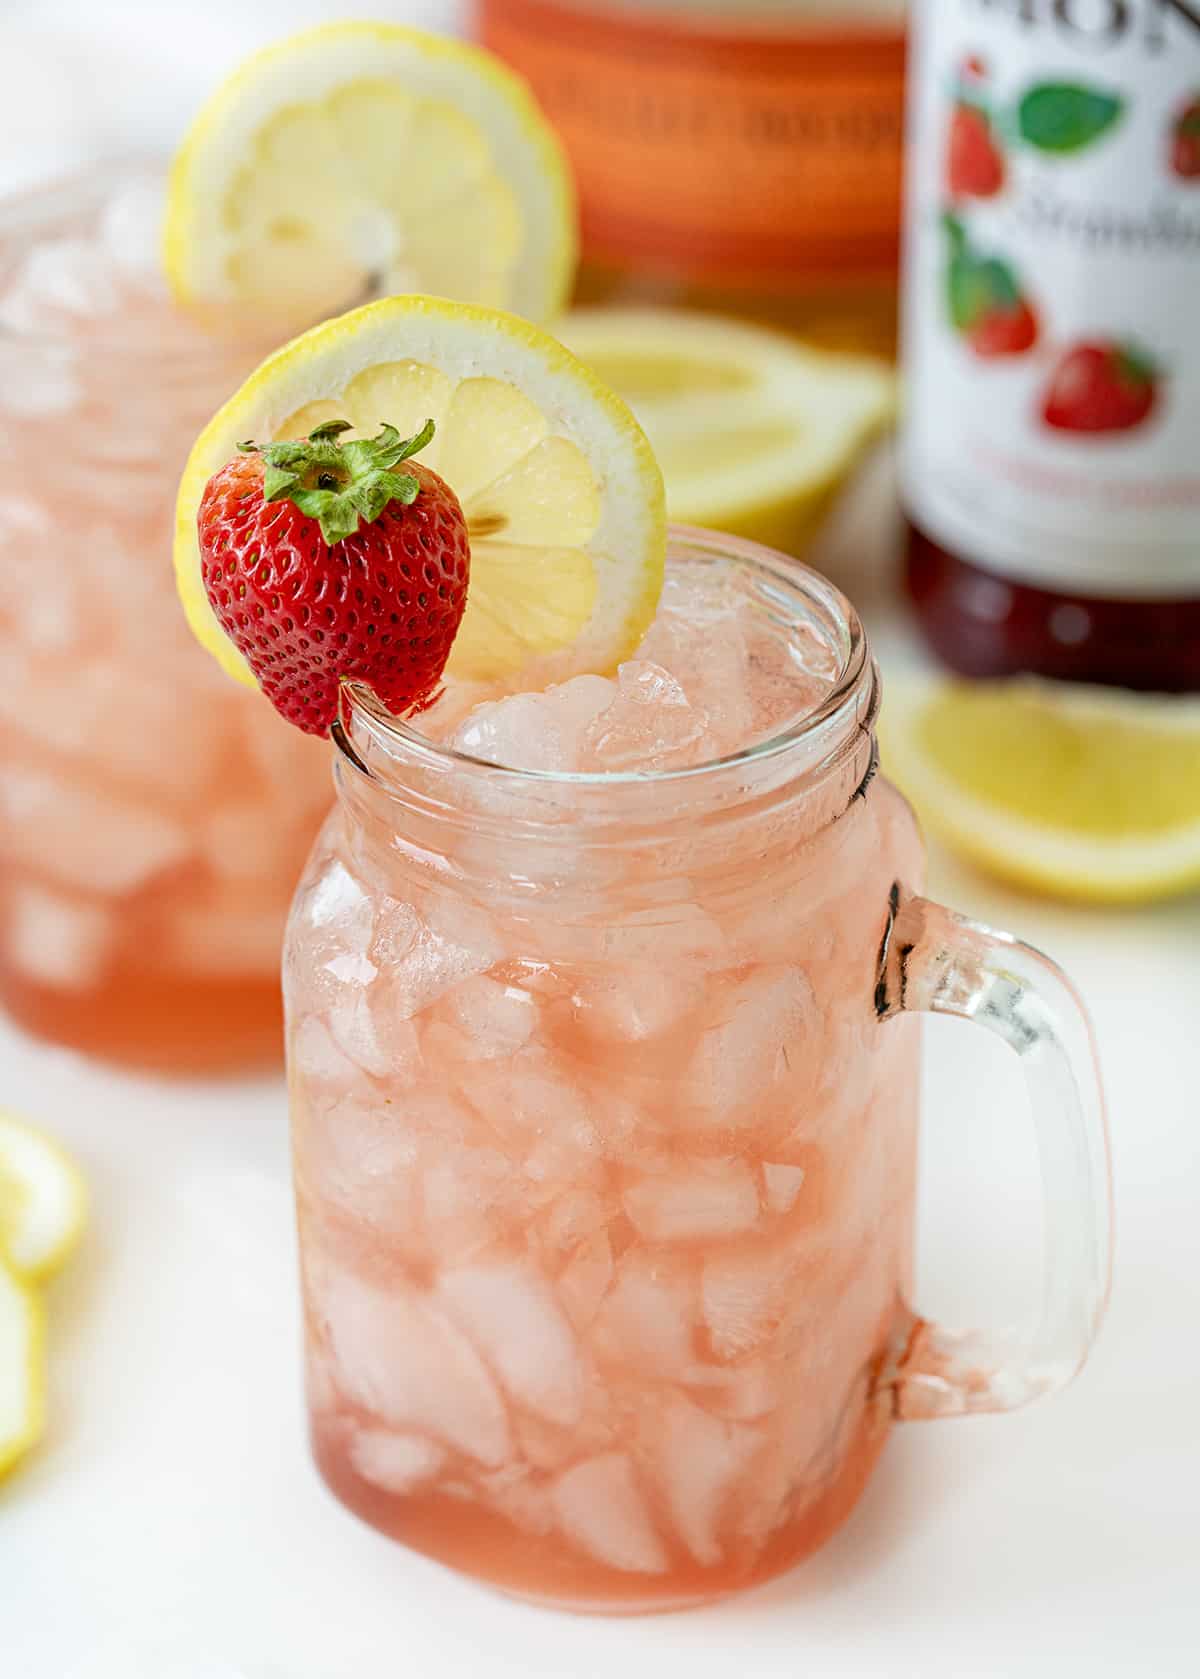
1085	793
562	493
359	159
754	431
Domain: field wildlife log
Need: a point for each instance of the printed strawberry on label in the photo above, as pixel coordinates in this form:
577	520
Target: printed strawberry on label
1185	142
975	166
1102	387
984	300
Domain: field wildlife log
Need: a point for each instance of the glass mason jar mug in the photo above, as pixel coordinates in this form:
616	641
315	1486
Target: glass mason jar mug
605	1117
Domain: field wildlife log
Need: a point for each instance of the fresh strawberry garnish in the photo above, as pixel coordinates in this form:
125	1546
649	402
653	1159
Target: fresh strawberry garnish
322	562
975	166
1100	387
1185	142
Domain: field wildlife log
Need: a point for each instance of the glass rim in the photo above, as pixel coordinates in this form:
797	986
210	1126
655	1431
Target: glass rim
843	704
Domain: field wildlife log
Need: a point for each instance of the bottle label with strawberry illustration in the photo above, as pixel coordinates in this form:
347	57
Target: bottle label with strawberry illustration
1052	291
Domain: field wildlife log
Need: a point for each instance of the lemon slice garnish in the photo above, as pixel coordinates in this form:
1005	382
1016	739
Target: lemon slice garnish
1086	793
360	158
42	1200
561	490
754	431
22	1368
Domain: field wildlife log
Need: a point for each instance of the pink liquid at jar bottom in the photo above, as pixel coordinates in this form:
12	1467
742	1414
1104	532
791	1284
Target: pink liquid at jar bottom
604	1162
153	815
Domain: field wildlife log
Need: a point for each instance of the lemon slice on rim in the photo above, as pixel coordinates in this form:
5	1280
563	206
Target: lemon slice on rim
754	431
1085	793
42	1200
368	157
563	496
22	1368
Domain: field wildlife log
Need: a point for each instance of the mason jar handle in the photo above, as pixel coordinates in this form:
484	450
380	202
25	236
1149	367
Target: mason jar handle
934	960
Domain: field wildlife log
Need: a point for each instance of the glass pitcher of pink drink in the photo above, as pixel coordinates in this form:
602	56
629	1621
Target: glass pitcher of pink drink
603	1017
153	817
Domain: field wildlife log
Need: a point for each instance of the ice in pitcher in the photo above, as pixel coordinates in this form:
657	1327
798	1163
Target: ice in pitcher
594	1151
153	816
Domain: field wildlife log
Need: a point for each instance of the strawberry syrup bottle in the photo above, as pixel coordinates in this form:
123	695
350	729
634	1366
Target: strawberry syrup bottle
1051	454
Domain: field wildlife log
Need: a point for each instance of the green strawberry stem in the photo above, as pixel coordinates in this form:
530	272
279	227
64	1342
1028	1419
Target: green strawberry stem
341	484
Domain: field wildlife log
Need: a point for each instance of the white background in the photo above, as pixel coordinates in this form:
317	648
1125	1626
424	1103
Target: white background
172	1528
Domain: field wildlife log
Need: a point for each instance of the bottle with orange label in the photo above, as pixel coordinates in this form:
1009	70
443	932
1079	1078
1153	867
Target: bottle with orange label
745	157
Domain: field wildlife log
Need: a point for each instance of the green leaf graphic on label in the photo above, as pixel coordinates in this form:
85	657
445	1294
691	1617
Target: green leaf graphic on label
1062	117
966	293
975	287
954	230
1002	289
975	284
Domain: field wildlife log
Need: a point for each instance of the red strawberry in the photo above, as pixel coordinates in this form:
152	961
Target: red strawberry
323	562
974	163
1185	142
1101	387
1004	330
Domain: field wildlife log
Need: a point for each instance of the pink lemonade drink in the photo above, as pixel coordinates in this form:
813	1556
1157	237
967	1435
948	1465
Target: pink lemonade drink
605	1123
153	816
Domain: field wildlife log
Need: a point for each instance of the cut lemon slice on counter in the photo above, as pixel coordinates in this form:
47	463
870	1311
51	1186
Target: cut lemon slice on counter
22	1368
754	432
360	158
1085	793
42	1200
563	497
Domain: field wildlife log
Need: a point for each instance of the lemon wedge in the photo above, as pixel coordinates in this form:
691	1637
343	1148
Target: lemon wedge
358	159
754	431
42	1200
22	1368
1085	793
563	497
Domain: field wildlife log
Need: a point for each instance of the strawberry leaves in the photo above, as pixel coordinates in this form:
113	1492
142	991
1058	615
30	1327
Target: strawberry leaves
340	485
